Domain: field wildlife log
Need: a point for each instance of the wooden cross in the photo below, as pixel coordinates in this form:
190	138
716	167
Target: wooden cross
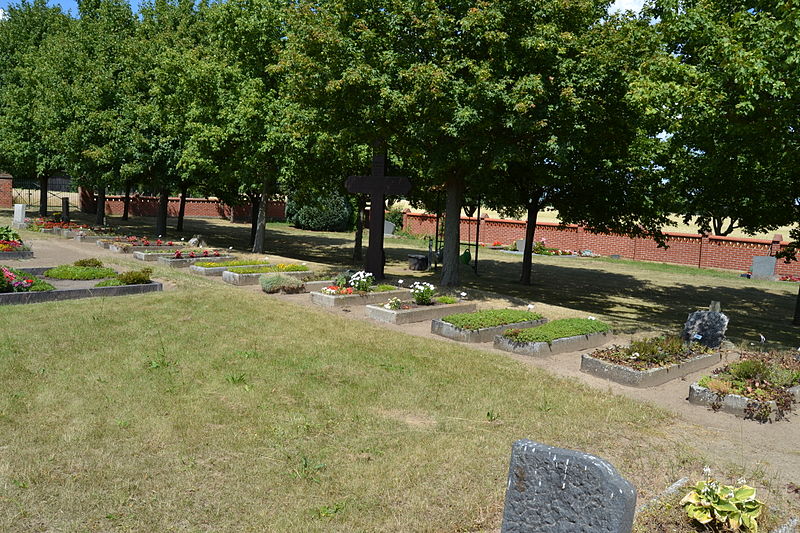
377	185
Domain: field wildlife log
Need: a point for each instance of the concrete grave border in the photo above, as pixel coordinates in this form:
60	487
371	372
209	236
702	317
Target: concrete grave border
734	404
186	261
417	314
236	278
446	329
347	300
651	377
562	345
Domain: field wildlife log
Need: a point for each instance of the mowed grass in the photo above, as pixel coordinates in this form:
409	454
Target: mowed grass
182	411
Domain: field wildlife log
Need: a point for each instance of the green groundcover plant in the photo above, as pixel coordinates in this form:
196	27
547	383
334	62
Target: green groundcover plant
652	353
281	283
280	267
557	329
79	272
490	318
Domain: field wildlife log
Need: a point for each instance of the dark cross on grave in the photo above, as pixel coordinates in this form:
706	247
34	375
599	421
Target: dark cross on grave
377	186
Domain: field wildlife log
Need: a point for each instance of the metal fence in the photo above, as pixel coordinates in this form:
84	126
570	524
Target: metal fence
27	192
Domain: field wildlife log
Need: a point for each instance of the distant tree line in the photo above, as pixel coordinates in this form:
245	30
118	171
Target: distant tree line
615	120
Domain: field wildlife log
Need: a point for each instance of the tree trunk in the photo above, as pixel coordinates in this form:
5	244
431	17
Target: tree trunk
530	231
126	205
796	320
43	195
161	217
182	208
261	226
358	246
255	208
452	231
100	214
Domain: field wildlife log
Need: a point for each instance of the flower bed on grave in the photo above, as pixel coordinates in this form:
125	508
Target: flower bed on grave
131	243
482	326
152	255
358	289
558	336
760	386
11	245
53	224
84	279
425	305
250	275
650	362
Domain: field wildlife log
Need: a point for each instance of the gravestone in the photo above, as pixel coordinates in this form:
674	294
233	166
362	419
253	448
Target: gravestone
388	228
520	245
763	267
553	490
197	242
19	216
377	185
65	209
706	327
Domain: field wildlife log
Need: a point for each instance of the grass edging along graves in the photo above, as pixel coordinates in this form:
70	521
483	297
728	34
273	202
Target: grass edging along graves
760	386
482	326
649	362
558	336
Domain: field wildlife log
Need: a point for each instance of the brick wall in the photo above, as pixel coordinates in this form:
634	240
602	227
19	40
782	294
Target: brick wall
733	253
6	198
147	206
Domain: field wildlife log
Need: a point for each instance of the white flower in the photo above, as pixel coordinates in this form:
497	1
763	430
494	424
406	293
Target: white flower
741	481
302	263
707	471
530	307
159	236
400	282
229	247
463	294
181	238
590	318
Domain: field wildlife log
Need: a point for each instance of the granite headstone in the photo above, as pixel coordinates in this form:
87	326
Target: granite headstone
706	327
763	267
19	216
553	490
388	228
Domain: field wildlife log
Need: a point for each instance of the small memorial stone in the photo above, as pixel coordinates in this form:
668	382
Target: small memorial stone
19	214
553	490
763	267
706	327
388	228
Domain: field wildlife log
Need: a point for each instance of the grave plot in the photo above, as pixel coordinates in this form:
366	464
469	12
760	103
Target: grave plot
87	278
11	245
126	245
195	254
650	362
760	386
251	275
182	259
213	268
425	305
358	289
558	336
483	326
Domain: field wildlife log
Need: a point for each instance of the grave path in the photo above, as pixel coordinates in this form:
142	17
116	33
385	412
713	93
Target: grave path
771	448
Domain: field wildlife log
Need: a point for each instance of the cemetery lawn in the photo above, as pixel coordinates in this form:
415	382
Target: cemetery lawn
183	410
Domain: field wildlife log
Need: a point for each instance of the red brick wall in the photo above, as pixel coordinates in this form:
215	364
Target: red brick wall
6	198
147	206
733	253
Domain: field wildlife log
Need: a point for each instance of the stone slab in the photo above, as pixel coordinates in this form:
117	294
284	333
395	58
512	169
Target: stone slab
734	404
763	267
563	345
646	378
142	256
18	298
19	213
554	490
316	286
347	300
388	227
705	327
236	278
446	329
416	314
22	254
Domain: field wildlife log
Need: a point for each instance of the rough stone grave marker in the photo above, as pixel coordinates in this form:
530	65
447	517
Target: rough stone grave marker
65	209
553	490
763	267
377	185
19	215
706	327
388	228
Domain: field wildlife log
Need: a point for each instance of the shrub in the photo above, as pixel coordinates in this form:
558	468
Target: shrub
91	262
490	318
330	212
113	282
281	283
557	329
395	216
79	272
135	277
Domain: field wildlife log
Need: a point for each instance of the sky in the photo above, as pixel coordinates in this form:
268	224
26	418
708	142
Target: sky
72	5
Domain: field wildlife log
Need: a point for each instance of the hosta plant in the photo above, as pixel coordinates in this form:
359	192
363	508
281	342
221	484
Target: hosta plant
724	506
